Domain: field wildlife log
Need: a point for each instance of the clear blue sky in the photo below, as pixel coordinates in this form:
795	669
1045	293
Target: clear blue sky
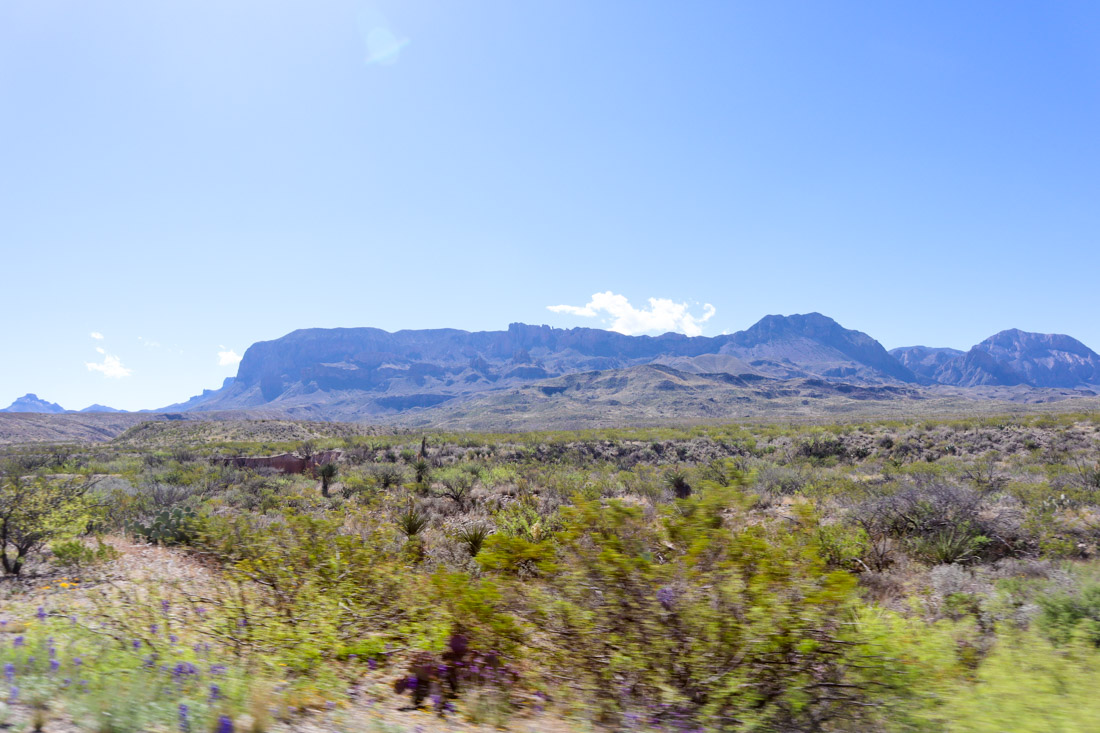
188	177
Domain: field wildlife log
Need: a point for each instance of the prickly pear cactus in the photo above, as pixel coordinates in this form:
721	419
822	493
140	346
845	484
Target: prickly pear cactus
168	527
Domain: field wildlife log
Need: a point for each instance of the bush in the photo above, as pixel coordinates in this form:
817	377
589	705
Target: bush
77	554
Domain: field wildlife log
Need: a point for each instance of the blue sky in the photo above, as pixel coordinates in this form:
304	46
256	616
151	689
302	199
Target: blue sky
187	178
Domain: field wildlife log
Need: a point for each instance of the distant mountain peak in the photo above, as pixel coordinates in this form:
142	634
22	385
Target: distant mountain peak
30	402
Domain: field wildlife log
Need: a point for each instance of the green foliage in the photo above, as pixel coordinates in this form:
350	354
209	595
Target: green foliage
178	526
36	510
1066	616
76	554
1026	685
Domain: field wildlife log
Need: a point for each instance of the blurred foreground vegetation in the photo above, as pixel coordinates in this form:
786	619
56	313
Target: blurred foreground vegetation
881	576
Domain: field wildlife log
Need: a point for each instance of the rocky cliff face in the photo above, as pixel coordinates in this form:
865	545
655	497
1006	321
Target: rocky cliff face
368	371
1009	358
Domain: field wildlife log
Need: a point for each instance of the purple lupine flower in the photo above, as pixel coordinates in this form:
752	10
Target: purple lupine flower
72	620
9	671
185	719
215	692
77	661
83	685
173	639
41	613
225	724
17	642
153	628
31	661
13	694
66	682
137	644
217	669
164	606
54	665
372	663
53	651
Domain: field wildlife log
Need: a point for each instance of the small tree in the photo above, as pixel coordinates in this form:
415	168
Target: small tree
328	472
36	510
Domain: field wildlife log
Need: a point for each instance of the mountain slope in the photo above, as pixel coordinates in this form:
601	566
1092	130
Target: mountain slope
925	361
31	403
349	373
819	345
1015	357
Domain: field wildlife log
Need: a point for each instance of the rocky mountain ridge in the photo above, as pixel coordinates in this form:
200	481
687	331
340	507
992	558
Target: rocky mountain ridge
371	374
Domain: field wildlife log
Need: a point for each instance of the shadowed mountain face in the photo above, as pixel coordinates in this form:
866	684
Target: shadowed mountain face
31	403
924	361
356	372
1009	358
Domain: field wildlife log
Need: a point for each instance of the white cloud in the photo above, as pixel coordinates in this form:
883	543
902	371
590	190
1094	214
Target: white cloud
111	366
96	335
101	350
663	315
228	357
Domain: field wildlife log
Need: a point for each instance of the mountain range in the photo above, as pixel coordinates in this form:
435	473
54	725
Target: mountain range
371	374
32	403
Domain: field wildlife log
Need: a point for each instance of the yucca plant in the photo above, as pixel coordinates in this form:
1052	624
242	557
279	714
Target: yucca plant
422	470
328	472
473	537
676	480
411	522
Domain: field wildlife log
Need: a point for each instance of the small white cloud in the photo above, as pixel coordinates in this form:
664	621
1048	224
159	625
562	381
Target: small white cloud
100	350
149	344
228	357
111	366
96	335
663	315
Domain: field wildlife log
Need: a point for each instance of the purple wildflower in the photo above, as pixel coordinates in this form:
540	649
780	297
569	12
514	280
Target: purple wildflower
13	695
164	606
9	671
215	692
225	724
185	719
41	614
17	642
54	665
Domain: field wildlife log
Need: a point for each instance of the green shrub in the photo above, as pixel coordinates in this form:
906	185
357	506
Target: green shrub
77	554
